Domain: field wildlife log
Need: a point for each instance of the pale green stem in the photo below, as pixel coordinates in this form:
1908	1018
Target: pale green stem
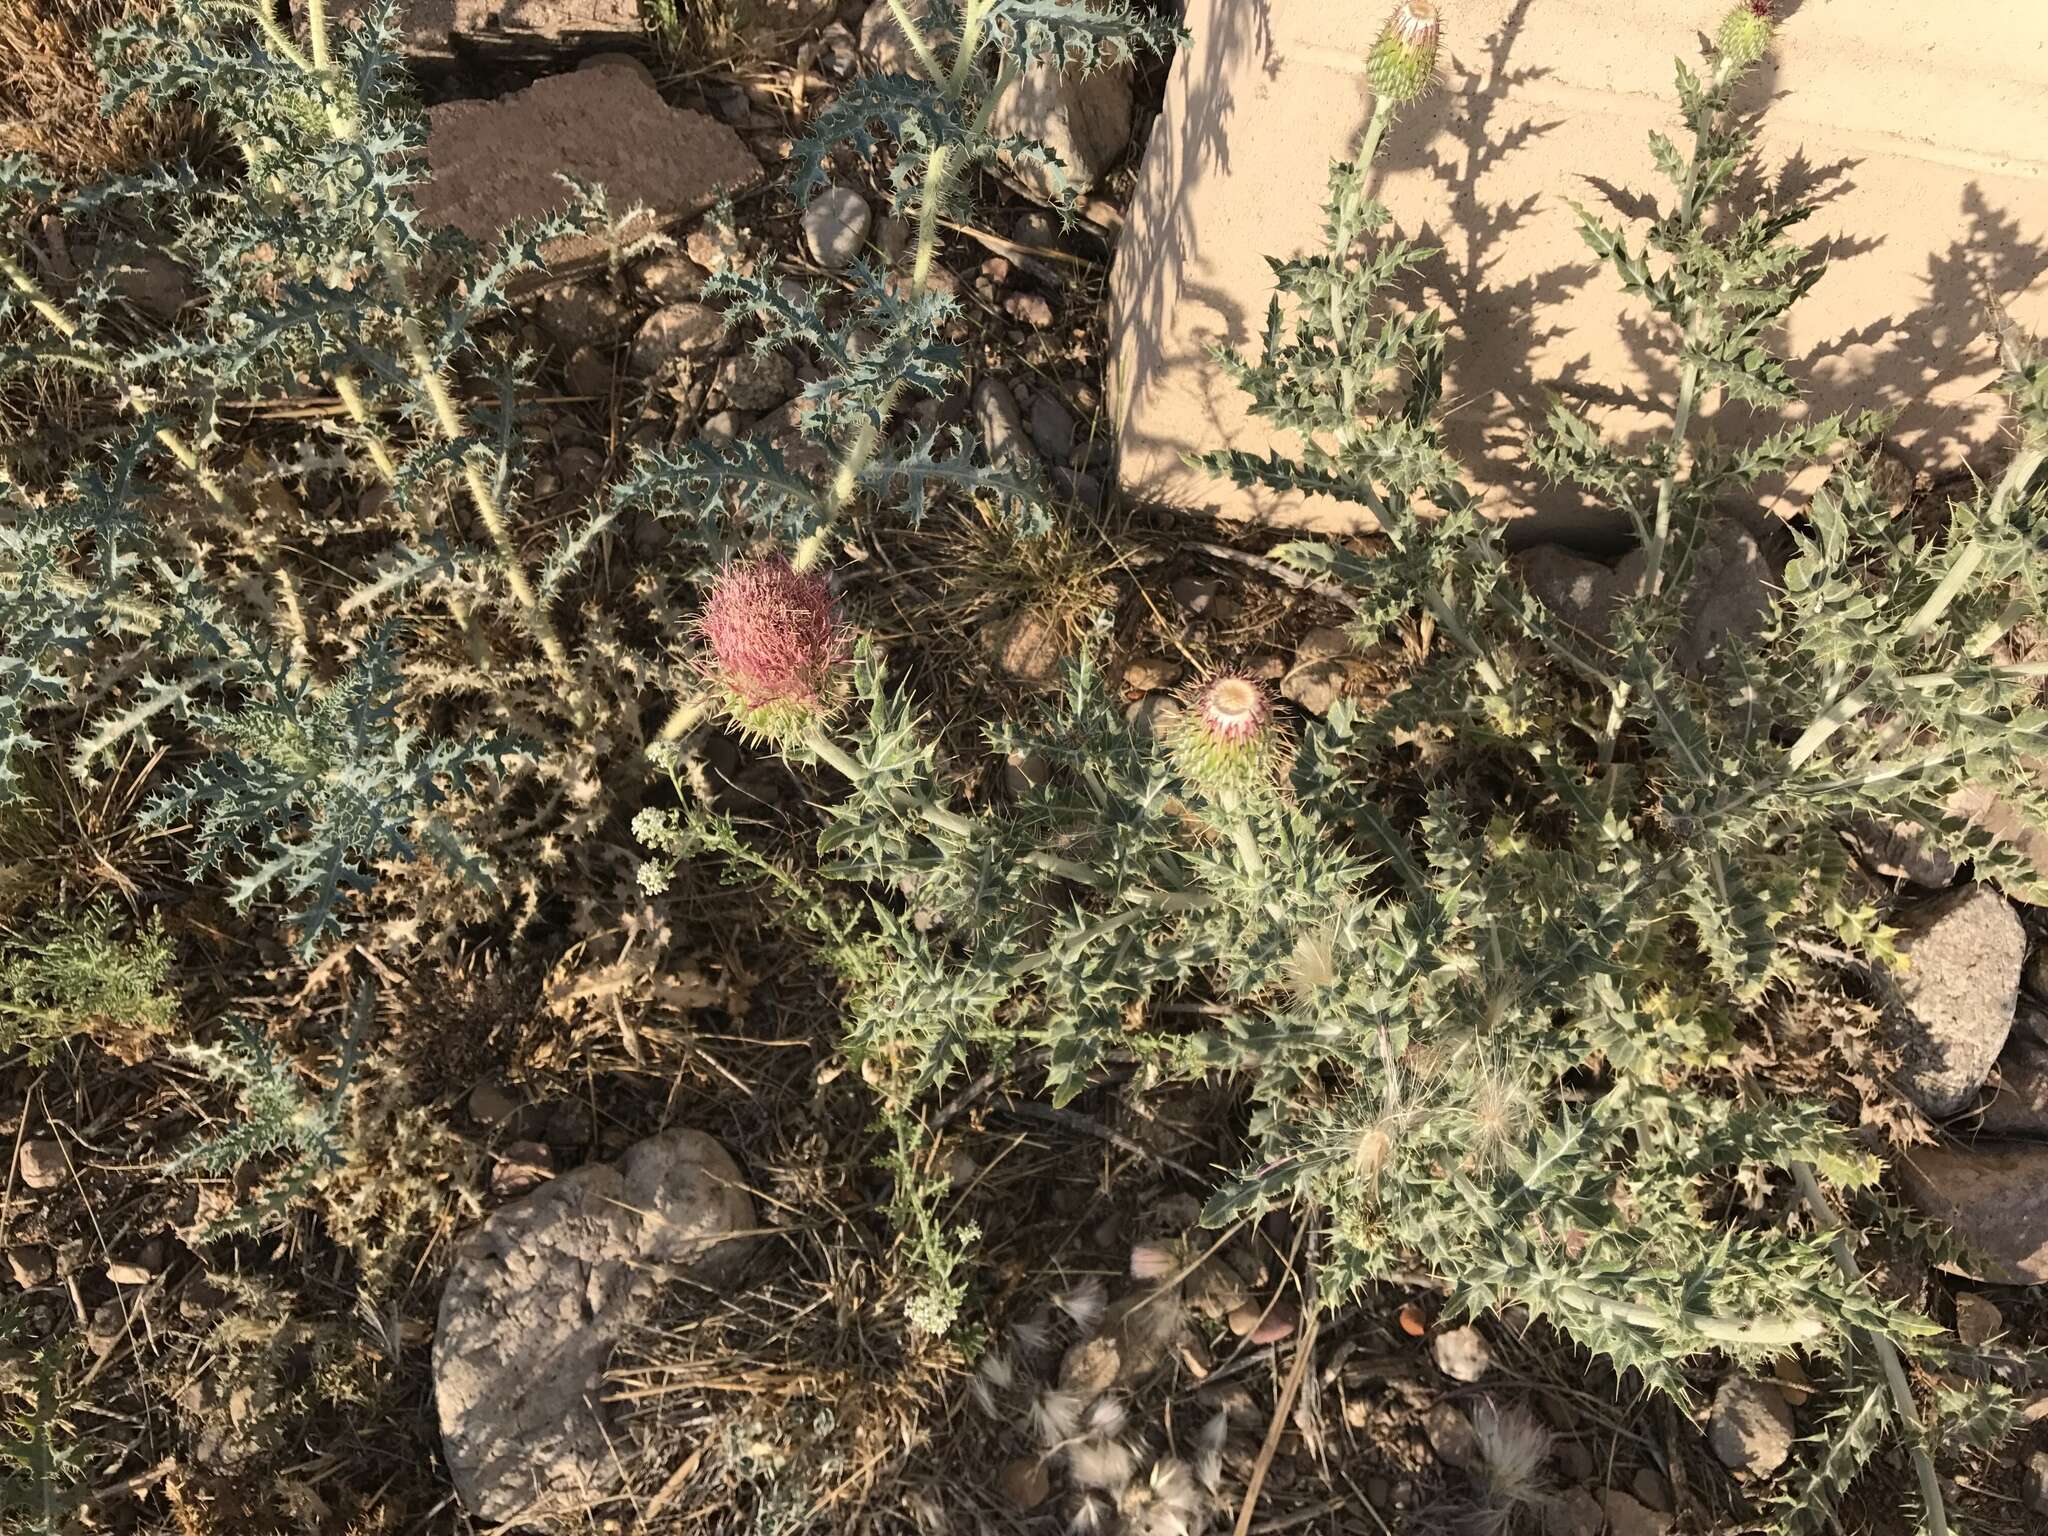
447	419
914	35
1347	211
316	29
1888	1355
1751	1332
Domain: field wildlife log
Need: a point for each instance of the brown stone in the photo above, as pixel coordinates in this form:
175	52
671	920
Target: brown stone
539	1295
491	162
1541	106
2019	1107
1993	1198
1951	1008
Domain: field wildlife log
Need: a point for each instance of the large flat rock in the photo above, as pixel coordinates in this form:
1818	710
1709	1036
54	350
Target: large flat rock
540	1294
1921	131
1993	1197
491	162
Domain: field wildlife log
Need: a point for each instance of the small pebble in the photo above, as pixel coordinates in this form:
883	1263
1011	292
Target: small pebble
127	1272
523	1166
42	1164
1025	1482
1029	309
1461	1354
489	1104
32	1265
836	226
1147	673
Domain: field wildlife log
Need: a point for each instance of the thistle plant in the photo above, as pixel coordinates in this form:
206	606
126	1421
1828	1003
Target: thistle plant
1482	1000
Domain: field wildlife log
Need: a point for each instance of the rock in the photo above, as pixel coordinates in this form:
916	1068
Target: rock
1263	1322
2019	1107
725	426
489	1104
670	278
1029	649
673	336
1626	1516
1727	594
883	43
1316	685
581	315
491	162
1951	1009
1052	427
1151	717
589	372
1025	1482
1751	1426
1576	589
537	1298
1091	1366
1994	1199
1148	673
753	381
716	247
1978	1320
1001	426
105	1327
836	227
1651	1490
2036	974
522	1167
1024	771
2034	1486
782	430
1452	1437
1197	594
1900	850
31	1264
1324	643
1461	1354
1029	309
1078	486
152	282
1575	1513
1085	120
129	1272
42	1164
1573	1460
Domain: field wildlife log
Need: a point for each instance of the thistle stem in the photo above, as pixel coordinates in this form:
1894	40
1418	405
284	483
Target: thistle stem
1887	1353
914	35
54	316
1347	213
940	171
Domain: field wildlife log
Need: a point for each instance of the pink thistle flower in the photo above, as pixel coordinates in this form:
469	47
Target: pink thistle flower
777	646
1233	709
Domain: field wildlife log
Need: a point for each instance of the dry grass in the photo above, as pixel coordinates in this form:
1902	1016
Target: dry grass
50	92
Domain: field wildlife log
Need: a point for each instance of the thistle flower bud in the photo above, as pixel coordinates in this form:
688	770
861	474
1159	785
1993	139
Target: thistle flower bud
1402	64
777	647
1226	740
1745	33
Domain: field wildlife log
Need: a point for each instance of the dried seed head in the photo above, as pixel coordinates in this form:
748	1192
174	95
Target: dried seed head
1227	741
1402	64
1151	1261
1105	1464
1084	1302
1745	33
777	647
